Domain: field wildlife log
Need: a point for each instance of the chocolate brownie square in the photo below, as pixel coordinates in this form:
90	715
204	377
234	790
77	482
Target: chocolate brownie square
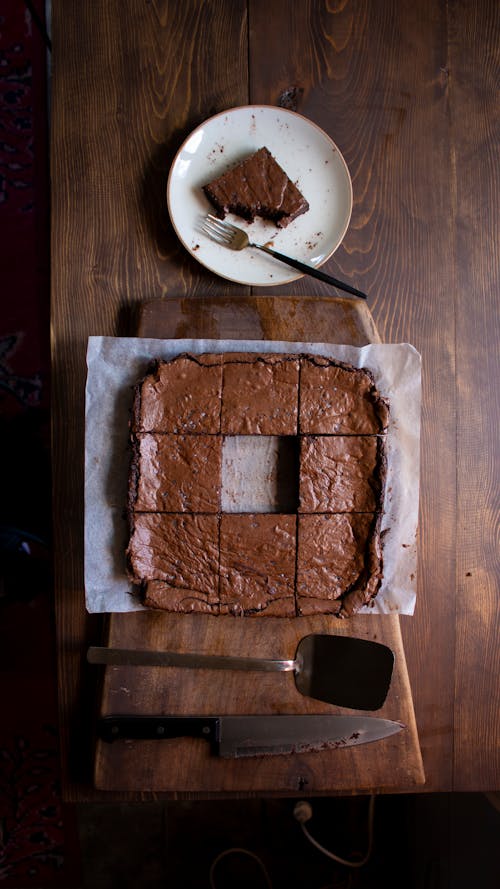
260	394
168	597
181	395
257	186
337	399
176	473
181	551
340	473
336	556
257	564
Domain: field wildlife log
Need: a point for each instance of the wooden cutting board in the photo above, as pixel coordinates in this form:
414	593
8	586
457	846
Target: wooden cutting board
184	767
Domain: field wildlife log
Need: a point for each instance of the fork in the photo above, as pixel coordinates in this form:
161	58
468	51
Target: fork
236	239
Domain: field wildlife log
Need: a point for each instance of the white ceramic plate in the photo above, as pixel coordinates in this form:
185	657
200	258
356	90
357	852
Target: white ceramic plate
310	159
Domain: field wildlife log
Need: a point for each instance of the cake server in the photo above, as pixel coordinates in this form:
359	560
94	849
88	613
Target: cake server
235	238
341	670
237	736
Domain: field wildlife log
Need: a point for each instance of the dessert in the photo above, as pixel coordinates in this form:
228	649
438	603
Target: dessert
335	560
176	473
337	399
257	186
180	553
257	565
316	549
340	473
260	394
180	396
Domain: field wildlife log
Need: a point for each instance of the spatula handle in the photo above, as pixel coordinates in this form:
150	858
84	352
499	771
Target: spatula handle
135	657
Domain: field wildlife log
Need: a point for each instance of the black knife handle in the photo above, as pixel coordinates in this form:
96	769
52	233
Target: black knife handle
142	728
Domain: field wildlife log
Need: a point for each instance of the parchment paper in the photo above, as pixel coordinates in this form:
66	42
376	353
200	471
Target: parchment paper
115	364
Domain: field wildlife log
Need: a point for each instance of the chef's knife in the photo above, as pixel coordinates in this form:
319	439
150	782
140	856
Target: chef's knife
235	736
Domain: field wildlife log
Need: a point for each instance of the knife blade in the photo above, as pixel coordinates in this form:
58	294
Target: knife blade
237	736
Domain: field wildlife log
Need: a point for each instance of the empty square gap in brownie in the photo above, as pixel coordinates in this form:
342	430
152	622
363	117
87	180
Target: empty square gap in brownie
260	473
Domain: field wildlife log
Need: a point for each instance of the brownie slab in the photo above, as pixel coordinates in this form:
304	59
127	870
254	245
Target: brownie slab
339	473
335	557
177	473
315	551
337	399
260	394
257	564
182	395
179	550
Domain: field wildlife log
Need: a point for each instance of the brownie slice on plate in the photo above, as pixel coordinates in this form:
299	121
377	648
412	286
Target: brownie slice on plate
257	186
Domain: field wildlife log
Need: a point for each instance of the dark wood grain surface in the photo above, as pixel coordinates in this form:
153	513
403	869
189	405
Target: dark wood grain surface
474	48
409	92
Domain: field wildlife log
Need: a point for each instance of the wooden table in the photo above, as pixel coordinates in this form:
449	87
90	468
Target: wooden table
407	91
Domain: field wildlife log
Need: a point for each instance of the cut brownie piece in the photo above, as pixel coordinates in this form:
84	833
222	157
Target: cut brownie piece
181	551
340	473
368	585
257	186
181	395
337	399
176	473
260	394
338	556
168	597
257	564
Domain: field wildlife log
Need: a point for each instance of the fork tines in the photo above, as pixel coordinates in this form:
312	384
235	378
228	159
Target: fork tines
218	230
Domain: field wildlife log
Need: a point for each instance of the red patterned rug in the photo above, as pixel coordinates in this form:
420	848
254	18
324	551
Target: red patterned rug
38	837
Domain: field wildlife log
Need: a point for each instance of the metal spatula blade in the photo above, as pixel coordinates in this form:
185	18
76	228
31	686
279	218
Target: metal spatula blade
341	670
345	671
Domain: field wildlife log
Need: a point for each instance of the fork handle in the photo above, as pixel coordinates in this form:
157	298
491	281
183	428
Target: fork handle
310	270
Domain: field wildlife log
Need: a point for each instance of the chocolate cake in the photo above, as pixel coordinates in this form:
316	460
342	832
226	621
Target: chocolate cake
260	394
181	396
334	559
257	565
340	473
324	556
336	399
180	553
176	473
257	186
